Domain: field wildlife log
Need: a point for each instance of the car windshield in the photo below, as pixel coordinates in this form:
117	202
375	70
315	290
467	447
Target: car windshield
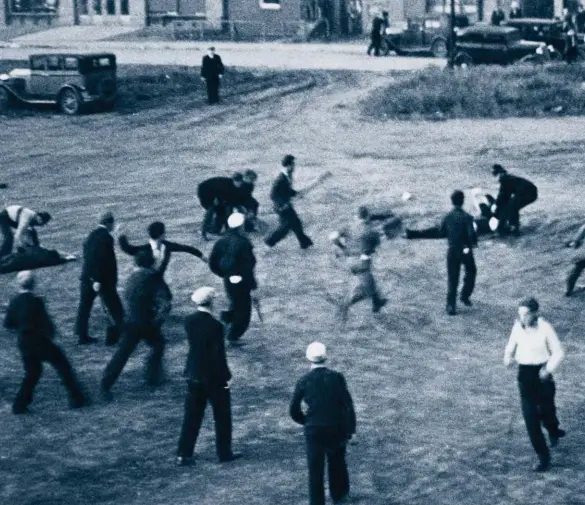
97	63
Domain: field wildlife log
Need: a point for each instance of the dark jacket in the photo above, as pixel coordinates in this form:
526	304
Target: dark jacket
233	254
329	402
512	185
515	13
377	25
282	192
457	227
28	316
99	258
497	17
147	298
221	188
211	68
206	361
170	247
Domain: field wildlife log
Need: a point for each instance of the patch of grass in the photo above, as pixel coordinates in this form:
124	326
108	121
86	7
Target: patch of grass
482	92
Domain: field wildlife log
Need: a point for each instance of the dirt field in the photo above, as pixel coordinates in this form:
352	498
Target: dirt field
438	414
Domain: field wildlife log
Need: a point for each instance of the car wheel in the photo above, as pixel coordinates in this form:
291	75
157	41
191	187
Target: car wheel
439	48
463	60
69	102
4	99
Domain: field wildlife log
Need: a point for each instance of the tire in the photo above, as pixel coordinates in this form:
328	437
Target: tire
463	60
439	48
5	99
69	102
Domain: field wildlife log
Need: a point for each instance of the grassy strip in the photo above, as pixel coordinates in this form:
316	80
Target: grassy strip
482	92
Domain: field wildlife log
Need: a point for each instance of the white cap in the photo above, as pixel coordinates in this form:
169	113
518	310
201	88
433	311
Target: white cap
236	220
25	279
203	296
235	279
316	352
494	223
406	196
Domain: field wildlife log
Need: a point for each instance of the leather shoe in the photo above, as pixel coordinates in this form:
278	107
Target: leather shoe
466	302
380	304
554	439
20	410
232	457
184	461
543	466
451	310
87	340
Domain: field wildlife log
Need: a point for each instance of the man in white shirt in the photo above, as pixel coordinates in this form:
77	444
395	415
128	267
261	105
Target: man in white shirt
534	345
22	220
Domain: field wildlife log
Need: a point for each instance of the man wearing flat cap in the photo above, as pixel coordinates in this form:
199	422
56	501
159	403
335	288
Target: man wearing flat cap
232	258
329	423
212	70
28	317
99	276
208	377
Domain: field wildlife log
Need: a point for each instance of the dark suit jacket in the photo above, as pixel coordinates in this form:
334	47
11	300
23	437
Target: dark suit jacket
206	361
222	188
170	247
99	258
147	298
282	192
28	316
211	68
328	400
513	185
458	227
233	254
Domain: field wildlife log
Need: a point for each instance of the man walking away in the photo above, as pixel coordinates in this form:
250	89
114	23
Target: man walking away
208	378
28	316
99	276
212	70
329	423
578	262
515	193
232	258
147	303
23	221
458	227
376	35
534	345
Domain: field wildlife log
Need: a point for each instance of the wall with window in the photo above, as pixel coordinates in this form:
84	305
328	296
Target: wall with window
269	17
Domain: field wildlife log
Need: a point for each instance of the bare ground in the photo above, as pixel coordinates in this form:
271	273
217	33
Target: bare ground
438	415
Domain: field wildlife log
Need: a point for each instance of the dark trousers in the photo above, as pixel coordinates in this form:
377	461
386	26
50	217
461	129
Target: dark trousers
33	357
133	334
111	300
197	397
7	234
538	406
326	443
578	267
289	221
240	312
510	213
364	287
375	43
455	259
212	90
215	218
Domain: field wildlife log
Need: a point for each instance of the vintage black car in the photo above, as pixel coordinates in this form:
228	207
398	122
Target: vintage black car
549	31
482	43
429	34
71	81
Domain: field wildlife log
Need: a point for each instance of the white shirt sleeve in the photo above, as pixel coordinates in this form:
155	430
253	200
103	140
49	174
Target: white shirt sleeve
26	216
555	348
511	346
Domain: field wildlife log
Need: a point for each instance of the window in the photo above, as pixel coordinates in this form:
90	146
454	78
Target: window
70	63
53	63
38	63
270	4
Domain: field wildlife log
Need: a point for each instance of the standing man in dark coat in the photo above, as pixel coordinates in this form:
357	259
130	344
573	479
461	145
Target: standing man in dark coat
208	377
232	258
457	226
376	35
99	276
218	196
147	304
212	70
329	424
28	316
281	195
515	194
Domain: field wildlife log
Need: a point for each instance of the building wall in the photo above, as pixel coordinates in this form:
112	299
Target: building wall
252	19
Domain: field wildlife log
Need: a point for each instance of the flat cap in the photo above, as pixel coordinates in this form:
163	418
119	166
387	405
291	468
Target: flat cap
203	296
107	218
316	352
25	279
236	220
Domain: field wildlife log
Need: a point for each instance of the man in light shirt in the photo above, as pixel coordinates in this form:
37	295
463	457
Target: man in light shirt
534	345
22	220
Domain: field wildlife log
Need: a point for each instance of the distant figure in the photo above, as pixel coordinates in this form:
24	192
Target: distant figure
515	11
212	70
498	16
376	35
580	19
578	261
23	221
28	317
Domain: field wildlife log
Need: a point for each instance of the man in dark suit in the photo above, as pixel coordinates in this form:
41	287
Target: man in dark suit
329	423
232	258
99	276
515	193
281	195
28	316
212	70
147	304
218	196
457	227
208	377
376	35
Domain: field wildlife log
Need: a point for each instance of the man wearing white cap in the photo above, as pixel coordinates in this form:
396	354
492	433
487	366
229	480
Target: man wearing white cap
232	258
28	316
208	377
329	423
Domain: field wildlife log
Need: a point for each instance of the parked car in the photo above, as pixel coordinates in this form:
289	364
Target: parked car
429	34
71	81
549	31
482	43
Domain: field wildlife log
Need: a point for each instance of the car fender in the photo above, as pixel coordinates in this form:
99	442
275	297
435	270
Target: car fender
11	92
73	87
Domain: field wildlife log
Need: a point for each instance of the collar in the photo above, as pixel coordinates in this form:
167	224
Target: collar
318	365
105	228
204	309
283	171
24	291
155	245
